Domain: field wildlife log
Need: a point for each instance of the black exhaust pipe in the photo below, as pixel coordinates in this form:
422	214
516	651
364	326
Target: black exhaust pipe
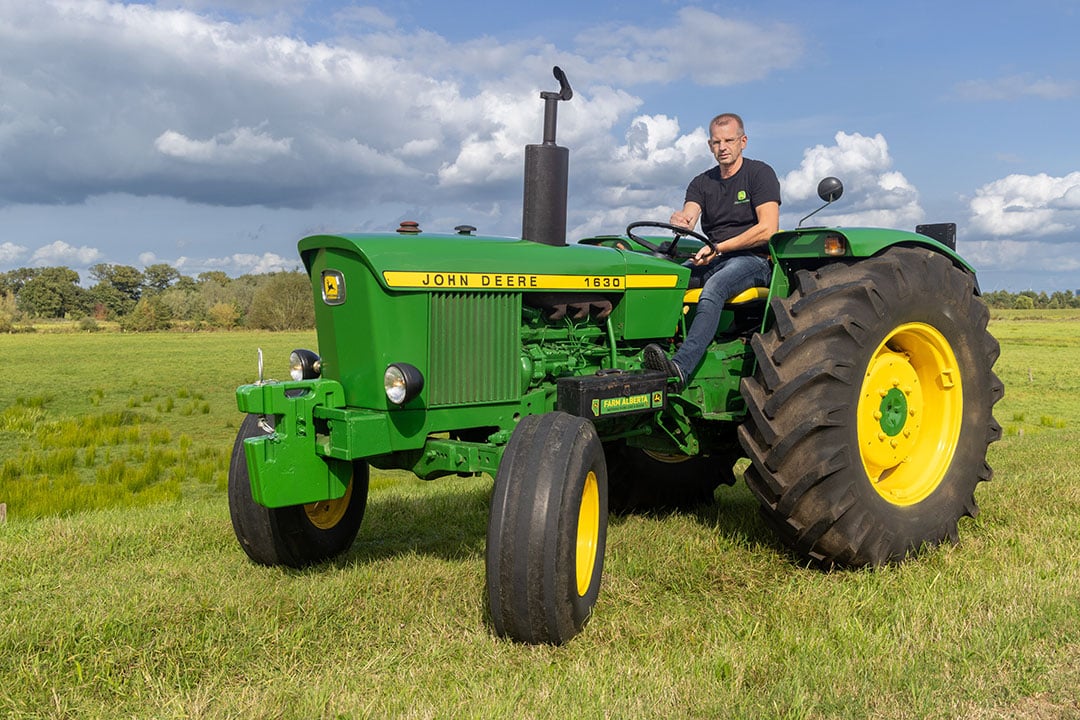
543	216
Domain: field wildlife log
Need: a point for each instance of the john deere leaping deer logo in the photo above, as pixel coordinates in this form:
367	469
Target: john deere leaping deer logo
333	287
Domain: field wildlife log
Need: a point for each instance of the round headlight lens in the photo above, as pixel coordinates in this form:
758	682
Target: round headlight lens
394	382
304	365
402	383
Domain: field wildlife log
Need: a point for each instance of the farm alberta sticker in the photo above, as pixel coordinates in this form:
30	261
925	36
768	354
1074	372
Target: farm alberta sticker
628	404
333	287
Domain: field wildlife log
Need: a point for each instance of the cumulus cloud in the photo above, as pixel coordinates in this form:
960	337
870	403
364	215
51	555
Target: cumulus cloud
181	101
235	264
236	146
874	193
1027	206
61	253
223	103
249	263
645	177
1004	254
10	253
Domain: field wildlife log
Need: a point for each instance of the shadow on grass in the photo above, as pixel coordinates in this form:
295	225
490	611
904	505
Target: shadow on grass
448	520
449	523
733	514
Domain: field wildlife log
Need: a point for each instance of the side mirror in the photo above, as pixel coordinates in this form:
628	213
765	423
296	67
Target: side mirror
830	189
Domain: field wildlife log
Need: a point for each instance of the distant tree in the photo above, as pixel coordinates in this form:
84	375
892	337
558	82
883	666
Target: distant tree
13	280
1024	302
223	315
150	313
53	292
283	301
213	276
999	299
108	302
8	311
184	301
159	276
125	278
185	282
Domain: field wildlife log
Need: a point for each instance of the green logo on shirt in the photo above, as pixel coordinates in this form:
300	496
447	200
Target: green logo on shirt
741	197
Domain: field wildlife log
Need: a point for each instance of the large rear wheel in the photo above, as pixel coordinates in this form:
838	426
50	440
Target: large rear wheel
293	536
547	529
870	412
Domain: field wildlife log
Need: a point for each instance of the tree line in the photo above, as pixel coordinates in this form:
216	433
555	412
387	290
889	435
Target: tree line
1031	300
157	297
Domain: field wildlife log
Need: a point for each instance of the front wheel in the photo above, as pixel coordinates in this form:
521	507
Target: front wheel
294	536
870	413
547	529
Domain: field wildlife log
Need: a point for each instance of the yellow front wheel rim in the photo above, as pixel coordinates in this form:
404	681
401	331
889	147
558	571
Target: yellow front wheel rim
326	514
910	413
588	533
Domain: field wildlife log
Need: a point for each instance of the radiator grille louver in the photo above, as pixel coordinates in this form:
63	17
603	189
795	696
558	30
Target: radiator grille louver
475	348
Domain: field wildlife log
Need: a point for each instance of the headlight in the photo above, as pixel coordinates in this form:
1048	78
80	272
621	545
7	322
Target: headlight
402	382
304	365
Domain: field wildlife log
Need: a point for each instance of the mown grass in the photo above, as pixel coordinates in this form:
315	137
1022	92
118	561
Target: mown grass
155	612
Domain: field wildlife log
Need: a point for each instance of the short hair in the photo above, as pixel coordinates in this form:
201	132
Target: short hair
724	118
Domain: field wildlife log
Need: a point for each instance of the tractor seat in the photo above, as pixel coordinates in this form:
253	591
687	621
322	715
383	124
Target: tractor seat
746	296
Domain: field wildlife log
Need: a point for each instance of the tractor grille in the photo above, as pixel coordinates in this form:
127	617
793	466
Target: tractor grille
475	348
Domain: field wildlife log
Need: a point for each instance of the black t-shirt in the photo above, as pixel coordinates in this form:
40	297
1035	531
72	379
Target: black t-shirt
727	205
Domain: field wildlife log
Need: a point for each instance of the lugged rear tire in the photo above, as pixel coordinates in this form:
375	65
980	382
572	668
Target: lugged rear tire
871	410
294	536
547	529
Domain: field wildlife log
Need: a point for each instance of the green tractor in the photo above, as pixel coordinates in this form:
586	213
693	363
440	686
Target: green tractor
859	384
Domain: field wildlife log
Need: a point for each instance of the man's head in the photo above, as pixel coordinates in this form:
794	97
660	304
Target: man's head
727	139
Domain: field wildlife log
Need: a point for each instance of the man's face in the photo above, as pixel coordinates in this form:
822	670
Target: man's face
726	141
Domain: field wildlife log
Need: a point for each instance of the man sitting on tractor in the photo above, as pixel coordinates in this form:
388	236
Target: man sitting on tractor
738	202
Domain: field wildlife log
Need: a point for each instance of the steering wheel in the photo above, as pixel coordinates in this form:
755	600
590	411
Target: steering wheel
668	250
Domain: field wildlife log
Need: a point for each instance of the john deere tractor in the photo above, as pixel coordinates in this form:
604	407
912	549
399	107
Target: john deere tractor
859	385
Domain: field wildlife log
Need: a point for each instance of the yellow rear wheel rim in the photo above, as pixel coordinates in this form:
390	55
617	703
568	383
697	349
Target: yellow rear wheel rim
588	533
910	412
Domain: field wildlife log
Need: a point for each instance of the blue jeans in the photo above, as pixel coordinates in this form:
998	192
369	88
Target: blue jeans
725	278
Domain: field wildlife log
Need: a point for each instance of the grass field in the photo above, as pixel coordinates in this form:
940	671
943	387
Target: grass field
123	593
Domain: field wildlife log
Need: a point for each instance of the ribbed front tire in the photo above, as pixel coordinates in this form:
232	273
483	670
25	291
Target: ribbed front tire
547	530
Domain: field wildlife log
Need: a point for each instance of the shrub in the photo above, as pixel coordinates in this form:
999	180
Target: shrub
223	315
149	314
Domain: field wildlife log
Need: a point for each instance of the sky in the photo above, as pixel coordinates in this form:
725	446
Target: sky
214	134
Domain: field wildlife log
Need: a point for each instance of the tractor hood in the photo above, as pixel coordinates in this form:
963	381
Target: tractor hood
456	262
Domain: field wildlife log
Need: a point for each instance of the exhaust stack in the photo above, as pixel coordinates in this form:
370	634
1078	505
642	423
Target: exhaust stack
543	216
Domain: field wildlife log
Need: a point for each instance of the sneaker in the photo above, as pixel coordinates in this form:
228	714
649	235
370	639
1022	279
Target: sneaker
654	358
